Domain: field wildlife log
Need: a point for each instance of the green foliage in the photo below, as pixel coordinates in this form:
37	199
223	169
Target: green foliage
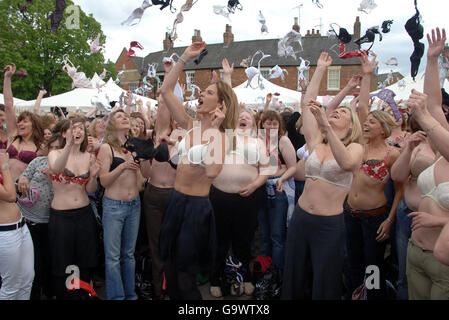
27	41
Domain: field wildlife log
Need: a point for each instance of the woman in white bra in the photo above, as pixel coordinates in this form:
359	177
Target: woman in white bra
416	156
427	277
236	195
316	230
187	241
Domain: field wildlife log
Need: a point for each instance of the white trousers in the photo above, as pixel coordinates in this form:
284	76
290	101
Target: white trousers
16	264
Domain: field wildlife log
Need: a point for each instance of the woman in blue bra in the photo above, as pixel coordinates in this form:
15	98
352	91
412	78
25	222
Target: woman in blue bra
316	230
427	277
187	239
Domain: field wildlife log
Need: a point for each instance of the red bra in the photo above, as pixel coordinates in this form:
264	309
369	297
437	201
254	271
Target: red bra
376	169
24	156
350	54
68	176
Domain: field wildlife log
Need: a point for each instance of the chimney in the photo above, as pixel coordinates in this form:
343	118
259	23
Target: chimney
228	36
308	33
168	43
196	36
296	25
357	27
313	32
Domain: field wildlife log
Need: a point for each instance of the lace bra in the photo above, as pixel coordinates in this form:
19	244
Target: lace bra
328	171
420	164
438	193
67	177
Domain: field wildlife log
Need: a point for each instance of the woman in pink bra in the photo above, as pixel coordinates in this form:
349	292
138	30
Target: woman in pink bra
316	230
25	135
368	217
72	228
427	277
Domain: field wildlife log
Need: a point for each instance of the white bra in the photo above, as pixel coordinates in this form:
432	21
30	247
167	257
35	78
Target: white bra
196	154
328	171
426	184
302	152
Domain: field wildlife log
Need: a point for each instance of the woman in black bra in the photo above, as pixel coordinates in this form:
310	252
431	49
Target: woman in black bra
122	180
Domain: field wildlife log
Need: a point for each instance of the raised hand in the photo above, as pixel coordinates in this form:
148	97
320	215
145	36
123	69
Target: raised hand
218	115
193	50
10	70
368	66
319	113
417	103
355	81
94	167
42	92
325	60
436	43
415	139
227	69
168	66
23	185
69	135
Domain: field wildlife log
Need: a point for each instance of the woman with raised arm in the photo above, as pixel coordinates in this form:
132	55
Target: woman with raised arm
121	177
72	226
368	217
25	135
16	246
188	230
427	277
316	230
416	156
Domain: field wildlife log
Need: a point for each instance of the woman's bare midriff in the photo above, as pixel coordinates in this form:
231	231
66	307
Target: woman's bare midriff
16	167
322	198
427	237
9	212
366	193
191	180
412	195
162	175
233	177
69	196
124	187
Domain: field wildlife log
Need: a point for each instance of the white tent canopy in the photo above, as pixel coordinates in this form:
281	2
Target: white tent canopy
253	97
16	100
81	98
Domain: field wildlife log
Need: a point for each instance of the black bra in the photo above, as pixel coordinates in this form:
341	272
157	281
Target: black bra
70	174
116	161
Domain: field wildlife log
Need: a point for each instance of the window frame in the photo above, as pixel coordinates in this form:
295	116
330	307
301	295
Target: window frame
333	69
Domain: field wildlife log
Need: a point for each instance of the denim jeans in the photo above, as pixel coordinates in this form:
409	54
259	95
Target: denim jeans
403	233
272	228
120	225
363	250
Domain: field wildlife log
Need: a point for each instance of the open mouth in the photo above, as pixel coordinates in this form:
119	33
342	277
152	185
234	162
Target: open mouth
200	101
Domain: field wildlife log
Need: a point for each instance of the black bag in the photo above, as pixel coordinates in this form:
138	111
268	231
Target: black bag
267	279
232	279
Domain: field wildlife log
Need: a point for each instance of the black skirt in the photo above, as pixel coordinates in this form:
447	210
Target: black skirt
188	236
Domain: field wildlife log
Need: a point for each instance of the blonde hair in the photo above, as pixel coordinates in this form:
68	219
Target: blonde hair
92	126
110	135
387	122
226	94
354	133
252	117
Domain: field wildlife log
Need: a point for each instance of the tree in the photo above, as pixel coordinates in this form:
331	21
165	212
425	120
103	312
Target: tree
27	41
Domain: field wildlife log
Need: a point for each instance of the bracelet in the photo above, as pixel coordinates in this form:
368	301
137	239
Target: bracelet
389	220
182	60
5	167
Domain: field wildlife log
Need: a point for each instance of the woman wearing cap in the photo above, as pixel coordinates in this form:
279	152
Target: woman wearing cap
188	230
368	215
316	230
16	246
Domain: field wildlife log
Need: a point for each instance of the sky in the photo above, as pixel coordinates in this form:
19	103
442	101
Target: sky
279	15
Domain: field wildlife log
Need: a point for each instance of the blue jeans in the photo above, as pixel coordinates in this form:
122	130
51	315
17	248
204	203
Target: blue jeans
363	250
120	226
272	228
403	233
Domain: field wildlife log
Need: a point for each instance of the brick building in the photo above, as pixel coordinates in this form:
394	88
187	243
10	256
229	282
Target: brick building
313	44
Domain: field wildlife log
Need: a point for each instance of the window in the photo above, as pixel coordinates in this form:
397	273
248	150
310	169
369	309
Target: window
132	87
265	72
160	75
333	78
190	79
306	77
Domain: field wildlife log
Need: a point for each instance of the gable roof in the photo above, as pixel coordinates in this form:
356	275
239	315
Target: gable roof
236	51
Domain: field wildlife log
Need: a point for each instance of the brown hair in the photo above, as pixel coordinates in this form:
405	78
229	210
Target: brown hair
66	125
2	107
138	115
56	137
92	126
226	94
110	136
47	121
274	115
37	130
387	122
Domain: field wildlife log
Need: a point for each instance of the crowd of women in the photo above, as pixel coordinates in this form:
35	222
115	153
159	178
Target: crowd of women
329	192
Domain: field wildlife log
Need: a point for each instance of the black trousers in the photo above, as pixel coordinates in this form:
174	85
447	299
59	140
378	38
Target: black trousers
42	271
236	223
320	239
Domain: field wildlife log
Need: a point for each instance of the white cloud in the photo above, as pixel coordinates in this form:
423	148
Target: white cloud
279	15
